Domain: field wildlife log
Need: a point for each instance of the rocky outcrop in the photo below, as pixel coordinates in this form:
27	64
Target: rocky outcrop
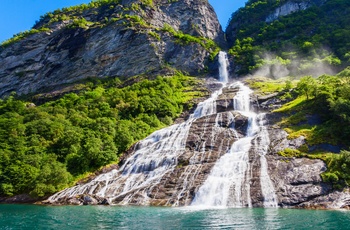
115	40
290	7
297	180
280	141
333	200
18	199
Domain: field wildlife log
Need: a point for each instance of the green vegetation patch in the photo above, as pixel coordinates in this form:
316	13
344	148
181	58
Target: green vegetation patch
326	100
290	153
185	39
265	86
338	168
46	148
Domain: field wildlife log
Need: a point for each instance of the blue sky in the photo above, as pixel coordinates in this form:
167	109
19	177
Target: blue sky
20	15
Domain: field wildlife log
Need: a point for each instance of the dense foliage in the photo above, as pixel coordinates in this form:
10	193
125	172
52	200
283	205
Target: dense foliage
43	148
338	171
327	97
316	35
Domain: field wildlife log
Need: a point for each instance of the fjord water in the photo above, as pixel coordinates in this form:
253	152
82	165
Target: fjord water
112	217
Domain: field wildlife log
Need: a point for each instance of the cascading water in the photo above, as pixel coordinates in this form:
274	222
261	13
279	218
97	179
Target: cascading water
157	155
223	66
208	107
262	142
228	184
157	158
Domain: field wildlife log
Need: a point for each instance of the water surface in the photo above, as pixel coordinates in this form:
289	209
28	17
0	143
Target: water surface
112	217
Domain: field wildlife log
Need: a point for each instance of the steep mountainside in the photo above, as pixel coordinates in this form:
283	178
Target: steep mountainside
115	38
257	12
300	37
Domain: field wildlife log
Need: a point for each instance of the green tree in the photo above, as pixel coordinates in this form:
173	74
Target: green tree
307	86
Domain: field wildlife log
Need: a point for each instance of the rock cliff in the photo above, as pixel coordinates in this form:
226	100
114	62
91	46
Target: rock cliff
290	7
114	39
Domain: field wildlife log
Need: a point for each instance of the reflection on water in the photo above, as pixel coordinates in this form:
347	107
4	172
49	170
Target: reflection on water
107	217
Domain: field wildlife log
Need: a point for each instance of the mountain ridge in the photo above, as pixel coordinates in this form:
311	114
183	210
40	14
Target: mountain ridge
111	38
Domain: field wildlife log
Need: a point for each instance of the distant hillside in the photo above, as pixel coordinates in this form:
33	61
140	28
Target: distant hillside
296	37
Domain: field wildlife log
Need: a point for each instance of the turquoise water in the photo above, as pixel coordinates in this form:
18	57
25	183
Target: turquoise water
107	217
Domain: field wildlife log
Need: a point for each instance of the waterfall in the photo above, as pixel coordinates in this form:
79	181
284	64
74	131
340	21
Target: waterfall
241	102
223	66
155	156
158	157
228	184
262	143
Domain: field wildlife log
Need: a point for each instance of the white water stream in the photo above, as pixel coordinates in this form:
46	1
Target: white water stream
223	67
155	156
228	184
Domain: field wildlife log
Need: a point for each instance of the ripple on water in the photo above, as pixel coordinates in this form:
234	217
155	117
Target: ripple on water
112	217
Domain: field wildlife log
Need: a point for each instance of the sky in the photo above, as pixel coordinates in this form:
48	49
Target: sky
20	15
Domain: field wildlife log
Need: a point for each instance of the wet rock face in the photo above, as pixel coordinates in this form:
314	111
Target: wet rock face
225	102
45	61
297	180
208	140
